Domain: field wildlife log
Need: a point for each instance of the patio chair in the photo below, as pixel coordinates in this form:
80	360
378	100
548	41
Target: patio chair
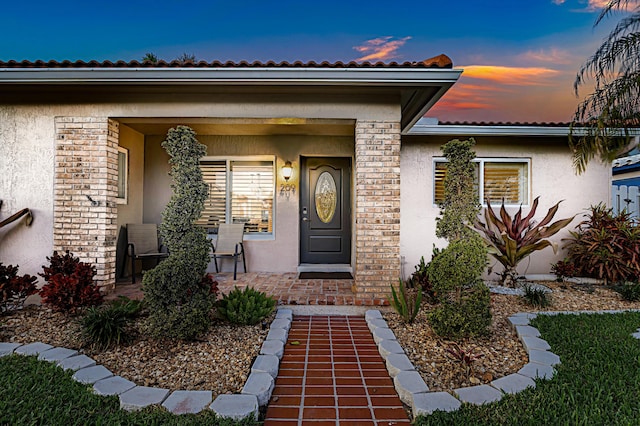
142	243
229	244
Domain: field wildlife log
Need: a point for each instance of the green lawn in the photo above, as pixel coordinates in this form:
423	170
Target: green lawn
36	392
598	382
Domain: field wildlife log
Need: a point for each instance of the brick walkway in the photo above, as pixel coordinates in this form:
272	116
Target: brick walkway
286	288
334	376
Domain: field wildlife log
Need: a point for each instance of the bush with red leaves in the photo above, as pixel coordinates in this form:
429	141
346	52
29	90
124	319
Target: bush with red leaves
14	289
70	284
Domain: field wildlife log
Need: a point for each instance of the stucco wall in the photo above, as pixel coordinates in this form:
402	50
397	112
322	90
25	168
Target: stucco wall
279	254
26	181
552	178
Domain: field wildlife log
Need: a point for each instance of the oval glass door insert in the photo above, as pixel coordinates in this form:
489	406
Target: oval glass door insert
326	197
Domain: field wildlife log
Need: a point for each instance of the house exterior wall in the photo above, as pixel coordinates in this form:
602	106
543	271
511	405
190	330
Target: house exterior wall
552	178
40	165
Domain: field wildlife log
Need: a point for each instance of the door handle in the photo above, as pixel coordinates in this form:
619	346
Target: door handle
305	219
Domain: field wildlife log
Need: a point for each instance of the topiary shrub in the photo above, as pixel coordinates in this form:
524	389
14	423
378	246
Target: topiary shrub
14	289
471	316
178	293
70	286
460	205
246	306
458	266
606	246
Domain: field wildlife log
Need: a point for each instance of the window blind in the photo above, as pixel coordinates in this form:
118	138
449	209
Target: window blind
214	174
252	194
505	181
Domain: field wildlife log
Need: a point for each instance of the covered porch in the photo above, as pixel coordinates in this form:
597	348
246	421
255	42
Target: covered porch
286	288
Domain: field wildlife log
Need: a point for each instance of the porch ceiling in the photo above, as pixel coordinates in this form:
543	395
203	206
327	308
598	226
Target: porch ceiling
241	127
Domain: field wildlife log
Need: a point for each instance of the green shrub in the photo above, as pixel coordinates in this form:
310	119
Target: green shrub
535	296
406	301
14	288
178	293
70	286
245	307
109	324
629	290
606	246
470	317
458	266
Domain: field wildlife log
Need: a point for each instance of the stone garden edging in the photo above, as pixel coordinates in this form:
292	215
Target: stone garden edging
255	393
414	392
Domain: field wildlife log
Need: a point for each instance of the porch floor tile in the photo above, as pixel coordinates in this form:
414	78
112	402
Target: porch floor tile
286	288
347	385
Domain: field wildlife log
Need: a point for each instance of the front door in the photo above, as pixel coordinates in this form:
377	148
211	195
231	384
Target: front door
325	210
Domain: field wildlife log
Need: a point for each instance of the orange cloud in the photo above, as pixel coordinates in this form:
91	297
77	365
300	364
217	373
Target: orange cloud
520	76
381	48
552	55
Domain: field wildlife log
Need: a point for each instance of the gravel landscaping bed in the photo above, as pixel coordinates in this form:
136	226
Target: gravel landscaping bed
502	353
220	361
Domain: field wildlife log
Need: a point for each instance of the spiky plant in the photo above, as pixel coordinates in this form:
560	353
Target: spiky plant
512	239
406	301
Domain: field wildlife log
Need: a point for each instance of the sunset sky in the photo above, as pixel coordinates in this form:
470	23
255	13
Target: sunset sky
519	56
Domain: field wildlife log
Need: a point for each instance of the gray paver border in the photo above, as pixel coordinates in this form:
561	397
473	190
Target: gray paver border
283	319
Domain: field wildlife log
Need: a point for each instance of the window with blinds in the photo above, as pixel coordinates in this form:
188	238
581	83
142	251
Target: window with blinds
495	179
239	192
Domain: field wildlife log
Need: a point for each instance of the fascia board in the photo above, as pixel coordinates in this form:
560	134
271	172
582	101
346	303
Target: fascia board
502	130
231	76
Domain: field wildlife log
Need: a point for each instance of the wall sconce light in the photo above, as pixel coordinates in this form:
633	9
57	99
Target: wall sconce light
287	189
287	170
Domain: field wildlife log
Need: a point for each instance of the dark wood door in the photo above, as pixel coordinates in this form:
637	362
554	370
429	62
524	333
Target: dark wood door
325	210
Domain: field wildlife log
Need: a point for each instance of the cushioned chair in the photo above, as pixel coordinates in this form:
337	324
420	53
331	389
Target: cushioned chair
229	244
142	243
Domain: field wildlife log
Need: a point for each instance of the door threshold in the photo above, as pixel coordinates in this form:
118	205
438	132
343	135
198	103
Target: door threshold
317	267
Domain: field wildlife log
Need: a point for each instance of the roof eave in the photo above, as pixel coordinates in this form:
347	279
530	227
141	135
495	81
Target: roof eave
463	130
226	76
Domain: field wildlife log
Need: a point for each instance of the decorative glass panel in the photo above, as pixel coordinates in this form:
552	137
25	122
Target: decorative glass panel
326	197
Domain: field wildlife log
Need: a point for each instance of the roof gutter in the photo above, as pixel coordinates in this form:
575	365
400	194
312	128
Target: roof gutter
489	130
232	76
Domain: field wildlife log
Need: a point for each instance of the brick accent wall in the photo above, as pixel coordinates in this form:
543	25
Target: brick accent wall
377	236
86	165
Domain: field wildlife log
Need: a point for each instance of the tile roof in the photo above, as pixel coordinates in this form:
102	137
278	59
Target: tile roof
440	61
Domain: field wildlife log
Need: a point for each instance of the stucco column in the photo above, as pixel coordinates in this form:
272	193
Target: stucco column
377	170
85	189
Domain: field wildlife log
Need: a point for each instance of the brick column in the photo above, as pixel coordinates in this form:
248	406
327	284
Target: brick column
377	169
86	165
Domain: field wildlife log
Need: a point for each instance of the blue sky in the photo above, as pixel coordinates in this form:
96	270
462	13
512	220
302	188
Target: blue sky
519	56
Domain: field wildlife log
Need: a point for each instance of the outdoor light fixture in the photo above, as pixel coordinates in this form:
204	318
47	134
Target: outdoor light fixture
287	170
287	189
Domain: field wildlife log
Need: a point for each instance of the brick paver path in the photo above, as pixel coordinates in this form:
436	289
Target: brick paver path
334	375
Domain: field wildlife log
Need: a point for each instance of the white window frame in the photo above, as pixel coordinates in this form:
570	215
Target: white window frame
125	177
254	236
481	161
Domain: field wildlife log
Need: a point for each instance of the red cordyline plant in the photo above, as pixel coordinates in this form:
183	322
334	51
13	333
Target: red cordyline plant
511	240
